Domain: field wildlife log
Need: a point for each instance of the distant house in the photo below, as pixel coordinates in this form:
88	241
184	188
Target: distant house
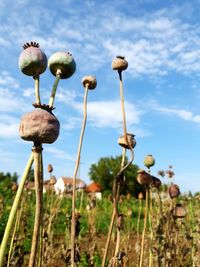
94	189
65	185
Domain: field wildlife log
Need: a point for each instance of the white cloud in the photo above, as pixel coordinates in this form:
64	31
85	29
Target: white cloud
7	80
58	153
181	113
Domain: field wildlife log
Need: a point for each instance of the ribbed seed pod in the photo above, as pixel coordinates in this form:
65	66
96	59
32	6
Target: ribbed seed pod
89	81
179	211
174	190
39	126
32	60
149	161
119	63
62	62
131	141
144	178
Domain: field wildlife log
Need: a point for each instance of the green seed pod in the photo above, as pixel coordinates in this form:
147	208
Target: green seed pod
39	126
131	141
32	60
62	63
89	81
119	63
149	161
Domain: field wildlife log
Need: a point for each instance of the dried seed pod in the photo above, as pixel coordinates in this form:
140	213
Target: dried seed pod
156	182
52	180
89	81
179	211
32	60
129	212
140	195
39	126
63	63
128	143
144	178
174	190
14	187
149	161
119	63
50	168
120	221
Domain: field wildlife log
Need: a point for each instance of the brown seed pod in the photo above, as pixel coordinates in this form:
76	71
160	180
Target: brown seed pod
174	190
131	141
32	60
14	187
179	211
119	63
50	168
39	126
52	180
89	81
156	182
149	161
140	195
144	178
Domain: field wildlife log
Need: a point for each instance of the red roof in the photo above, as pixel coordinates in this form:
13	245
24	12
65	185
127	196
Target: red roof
93	188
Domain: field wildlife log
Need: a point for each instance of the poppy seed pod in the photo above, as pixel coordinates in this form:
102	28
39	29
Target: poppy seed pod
52	180
62	62
174	190
119	63
149	161
156	182
140	195
14	187
179	211
89	81
144	178
50	168
131	141
39	126
32	60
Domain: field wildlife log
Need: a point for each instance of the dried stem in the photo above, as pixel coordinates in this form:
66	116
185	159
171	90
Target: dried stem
144	228
14	210
74	180
53	92
38	177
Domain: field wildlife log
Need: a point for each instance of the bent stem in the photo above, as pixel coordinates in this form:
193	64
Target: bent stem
14	210
37	89
74	179
38	177
54	89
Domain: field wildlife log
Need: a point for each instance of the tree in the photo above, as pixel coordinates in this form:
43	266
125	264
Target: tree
106	170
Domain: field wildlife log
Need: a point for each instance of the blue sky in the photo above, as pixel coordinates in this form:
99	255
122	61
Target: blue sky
161	42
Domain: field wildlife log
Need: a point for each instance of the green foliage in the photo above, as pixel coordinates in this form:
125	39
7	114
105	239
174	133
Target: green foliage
106	170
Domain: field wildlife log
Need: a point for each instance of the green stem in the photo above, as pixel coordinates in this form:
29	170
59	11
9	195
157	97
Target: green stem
14	210
53	92
74	180
37	88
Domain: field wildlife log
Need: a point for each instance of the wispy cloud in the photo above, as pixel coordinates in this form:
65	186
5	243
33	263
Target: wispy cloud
58	153
181	113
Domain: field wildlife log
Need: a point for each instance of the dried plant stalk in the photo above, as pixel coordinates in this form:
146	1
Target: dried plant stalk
73	220
38	176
